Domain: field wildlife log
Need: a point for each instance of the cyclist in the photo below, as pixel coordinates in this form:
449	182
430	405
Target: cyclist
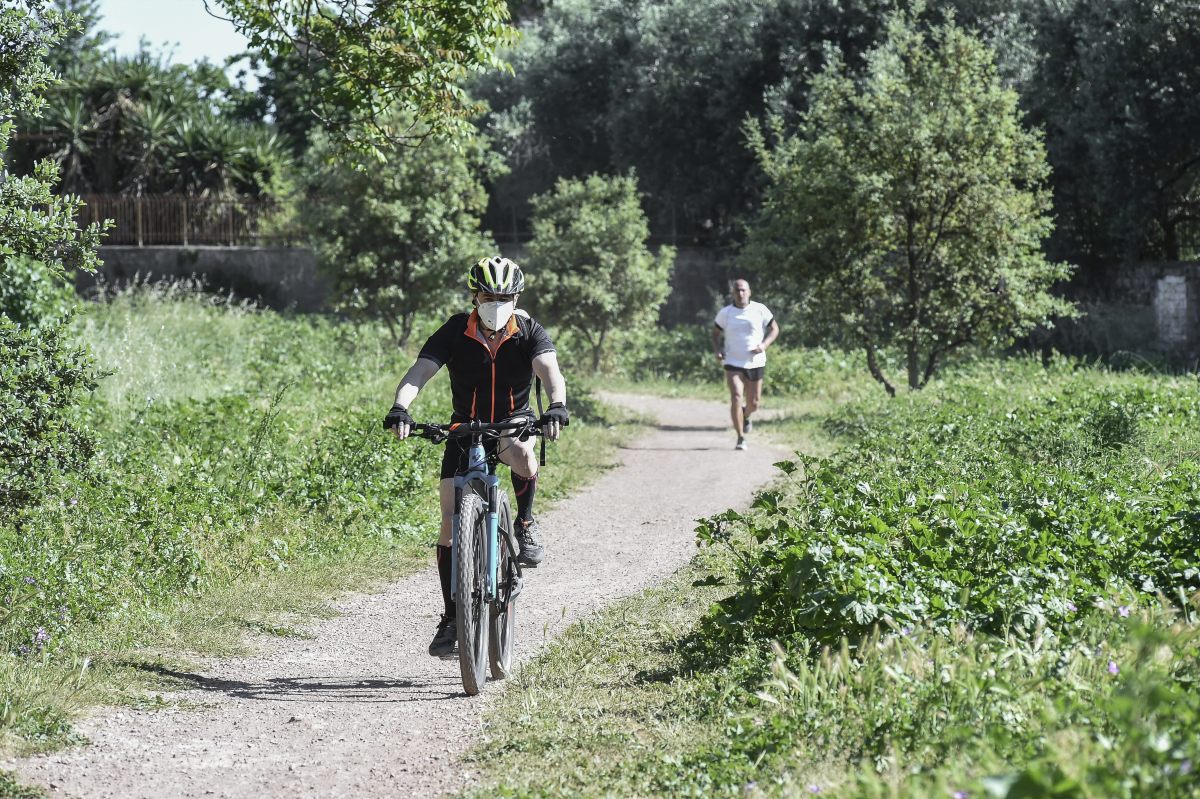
747	328
492	355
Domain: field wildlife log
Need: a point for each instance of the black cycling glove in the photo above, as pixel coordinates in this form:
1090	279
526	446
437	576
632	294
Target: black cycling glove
558	413
396	415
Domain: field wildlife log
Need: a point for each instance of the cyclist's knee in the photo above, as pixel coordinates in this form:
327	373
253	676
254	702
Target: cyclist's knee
520	457
525	464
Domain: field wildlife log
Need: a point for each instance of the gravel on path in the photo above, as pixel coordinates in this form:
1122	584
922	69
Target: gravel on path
360	709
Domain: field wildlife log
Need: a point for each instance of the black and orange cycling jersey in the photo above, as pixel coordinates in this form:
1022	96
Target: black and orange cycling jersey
489	377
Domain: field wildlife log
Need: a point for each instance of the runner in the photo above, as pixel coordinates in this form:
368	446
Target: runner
747	328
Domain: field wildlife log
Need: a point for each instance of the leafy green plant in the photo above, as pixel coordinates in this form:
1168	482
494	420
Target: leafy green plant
590	267
405	227
32	294
998	514
43	377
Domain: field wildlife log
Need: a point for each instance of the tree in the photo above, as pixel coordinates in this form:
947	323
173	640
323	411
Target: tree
1115	85
594	273
83	45
381	55
910	208
398	235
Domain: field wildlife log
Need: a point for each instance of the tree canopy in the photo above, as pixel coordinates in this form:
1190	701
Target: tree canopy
910	205
34	220
374	57
1115	85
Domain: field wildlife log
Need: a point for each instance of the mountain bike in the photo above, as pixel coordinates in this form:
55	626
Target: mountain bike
485	576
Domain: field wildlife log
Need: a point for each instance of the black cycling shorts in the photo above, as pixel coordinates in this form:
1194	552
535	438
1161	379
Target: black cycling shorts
753	374
456	457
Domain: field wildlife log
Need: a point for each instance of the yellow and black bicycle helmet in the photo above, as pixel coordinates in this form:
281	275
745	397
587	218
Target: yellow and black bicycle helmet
496	275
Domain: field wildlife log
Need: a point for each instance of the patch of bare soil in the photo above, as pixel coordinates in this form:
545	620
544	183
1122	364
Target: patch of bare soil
361	710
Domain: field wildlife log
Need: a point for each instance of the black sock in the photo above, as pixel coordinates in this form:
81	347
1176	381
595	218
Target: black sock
444	564
524	488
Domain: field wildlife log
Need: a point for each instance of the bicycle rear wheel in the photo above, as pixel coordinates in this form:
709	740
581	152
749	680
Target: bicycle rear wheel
504	610
472	611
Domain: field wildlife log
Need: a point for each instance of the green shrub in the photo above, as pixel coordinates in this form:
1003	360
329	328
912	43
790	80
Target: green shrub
979	508
43	376
591	269
31	294
989	591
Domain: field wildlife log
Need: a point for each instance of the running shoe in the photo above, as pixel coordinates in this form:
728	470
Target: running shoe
445	640
529	539
747	425
741	444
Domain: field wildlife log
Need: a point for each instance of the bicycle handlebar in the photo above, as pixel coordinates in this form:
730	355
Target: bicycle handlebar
440	432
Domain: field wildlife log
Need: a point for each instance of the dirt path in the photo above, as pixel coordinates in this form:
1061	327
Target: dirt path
361	710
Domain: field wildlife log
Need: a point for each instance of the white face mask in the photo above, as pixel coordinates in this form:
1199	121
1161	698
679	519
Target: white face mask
496	314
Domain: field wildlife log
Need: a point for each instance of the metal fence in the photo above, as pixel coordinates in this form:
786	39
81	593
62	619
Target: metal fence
177	219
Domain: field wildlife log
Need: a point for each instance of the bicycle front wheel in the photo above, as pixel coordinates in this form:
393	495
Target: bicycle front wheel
470	569
504	609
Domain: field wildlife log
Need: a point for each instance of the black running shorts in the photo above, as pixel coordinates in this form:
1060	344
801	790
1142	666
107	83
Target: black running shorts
753	374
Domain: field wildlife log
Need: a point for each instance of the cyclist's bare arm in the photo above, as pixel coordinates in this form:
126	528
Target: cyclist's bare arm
410	385
545	366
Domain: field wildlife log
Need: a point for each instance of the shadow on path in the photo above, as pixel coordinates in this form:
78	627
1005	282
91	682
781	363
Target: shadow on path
679	428
311	689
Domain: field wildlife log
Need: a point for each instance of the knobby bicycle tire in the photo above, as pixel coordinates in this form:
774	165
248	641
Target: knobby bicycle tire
503	615
472	611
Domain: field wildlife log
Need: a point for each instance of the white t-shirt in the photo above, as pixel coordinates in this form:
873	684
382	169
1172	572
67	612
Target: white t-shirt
745	328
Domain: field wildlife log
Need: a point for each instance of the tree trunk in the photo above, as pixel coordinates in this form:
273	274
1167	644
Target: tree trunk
914	363
930	366
876	372
914	312
391	326
597	351
1170	238
406	327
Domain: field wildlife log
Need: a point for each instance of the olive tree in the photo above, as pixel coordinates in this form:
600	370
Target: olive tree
594	272
909	206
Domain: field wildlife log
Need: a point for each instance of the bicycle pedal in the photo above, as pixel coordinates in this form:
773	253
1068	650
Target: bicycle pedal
515	592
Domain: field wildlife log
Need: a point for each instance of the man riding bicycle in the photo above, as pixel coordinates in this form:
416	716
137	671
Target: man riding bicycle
492	355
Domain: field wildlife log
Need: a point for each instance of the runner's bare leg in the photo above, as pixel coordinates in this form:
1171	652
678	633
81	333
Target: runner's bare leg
735	382
753	395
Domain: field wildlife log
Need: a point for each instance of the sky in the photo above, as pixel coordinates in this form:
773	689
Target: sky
188	32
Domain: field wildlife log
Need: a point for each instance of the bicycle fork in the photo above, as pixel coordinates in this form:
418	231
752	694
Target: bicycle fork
492	539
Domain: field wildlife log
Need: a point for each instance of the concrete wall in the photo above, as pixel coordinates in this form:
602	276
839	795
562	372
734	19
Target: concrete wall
276	277
1147	307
